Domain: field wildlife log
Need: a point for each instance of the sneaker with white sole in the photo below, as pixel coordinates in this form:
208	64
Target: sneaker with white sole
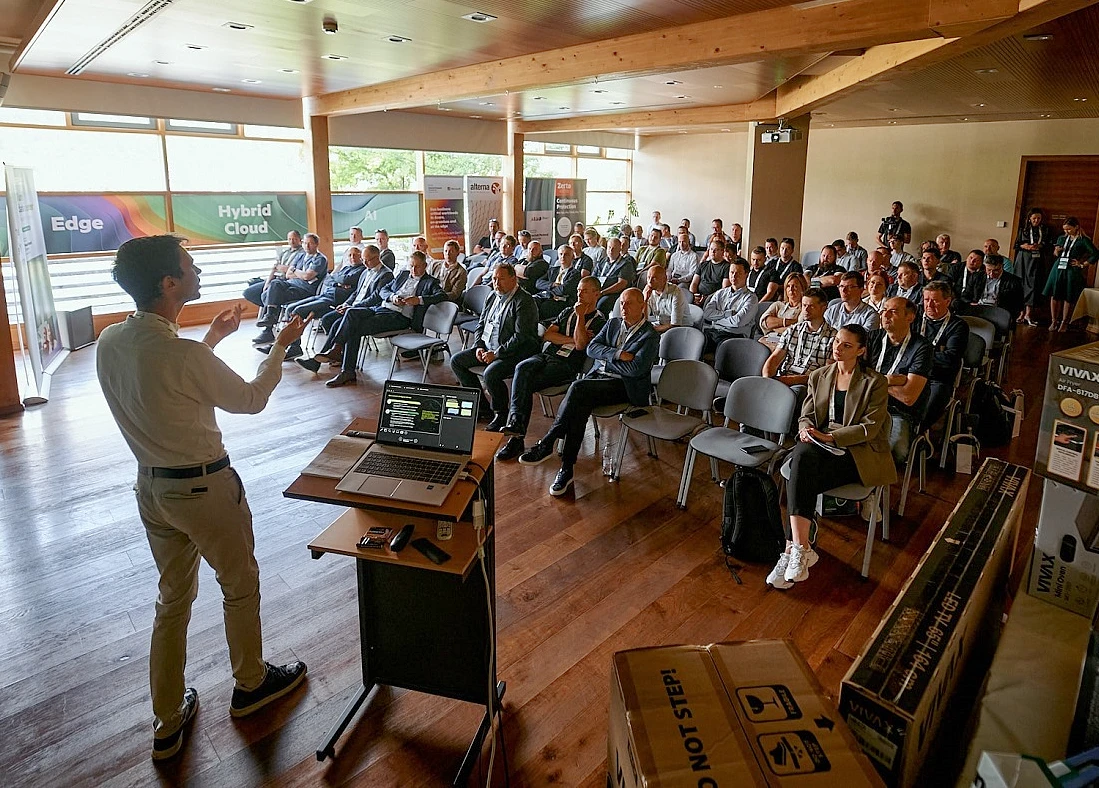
167	746
280	680
777	578
801	559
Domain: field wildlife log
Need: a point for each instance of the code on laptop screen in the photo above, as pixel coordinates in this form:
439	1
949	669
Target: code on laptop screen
424	416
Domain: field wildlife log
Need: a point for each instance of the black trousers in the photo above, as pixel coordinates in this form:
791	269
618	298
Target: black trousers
357	323
812	472
494	380
531	375
581	399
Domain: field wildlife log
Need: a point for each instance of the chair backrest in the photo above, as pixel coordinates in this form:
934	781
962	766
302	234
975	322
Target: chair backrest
439	318
996	315
688	383
550	255
681	342
472	274
982	328
740	357
761	403
974	351
475	298
809	258
694	312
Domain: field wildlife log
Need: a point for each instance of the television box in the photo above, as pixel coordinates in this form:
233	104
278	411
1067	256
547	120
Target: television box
1069	428
894	696
748	714
1064	568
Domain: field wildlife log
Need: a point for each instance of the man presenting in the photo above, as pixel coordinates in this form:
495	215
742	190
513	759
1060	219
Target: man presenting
162	391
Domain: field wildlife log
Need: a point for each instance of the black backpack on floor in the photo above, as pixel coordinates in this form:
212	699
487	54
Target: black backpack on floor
991	414
751	527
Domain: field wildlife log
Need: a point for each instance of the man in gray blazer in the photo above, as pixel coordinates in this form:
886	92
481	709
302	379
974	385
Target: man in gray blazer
506	334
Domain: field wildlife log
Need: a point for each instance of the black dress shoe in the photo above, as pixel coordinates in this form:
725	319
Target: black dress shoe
341	379
265	337
562	482
537	454
167	746
309	364
514	428
293	352
497	423
512	449
264	349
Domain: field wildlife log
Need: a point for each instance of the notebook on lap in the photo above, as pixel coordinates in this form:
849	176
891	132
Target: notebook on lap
425	439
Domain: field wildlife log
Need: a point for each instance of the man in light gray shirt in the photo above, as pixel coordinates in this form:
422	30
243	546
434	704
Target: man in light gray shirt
683	263
851	308
731	311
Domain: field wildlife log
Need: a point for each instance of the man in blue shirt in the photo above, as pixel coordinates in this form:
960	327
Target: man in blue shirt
299	281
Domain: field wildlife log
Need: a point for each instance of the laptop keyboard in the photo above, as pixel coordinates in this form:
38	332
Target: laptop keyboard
414	468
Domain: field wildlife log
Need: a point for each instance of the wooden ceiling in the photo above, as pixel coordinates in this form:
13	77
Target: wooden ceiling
282	52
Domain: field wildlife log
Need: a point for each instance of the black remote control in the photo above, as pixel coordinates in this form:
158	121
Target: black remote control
433	553
397	543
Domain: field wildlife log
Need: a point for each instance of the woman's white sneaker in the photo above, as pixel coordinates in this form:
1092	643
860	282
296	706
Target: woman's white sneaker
800	560
777	578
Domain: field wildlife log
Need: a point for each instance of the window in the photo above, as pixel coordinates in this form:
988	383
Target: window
462	164
603	174
530	146
93	161
618	153
204	164
370	169
274	132
588	150
607	209
112	121
557	147
547	167
205	126
32	117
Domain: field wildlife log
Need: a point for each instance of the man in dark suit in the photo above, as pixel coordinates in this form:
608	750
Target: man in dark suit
999	288
967	275
624	351
401	304
507	333
949	336
532	269
557	289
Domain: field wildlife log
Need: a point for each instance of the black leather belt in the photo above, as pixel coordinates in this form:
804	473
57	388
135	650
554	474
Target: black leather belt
184	473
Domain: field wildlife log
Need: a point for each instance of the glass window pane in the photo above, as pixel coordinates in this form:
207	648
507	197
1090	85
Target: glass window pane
462	164
588	150
369	169
557	147
94	161
618	153
603	174
530	146
216	127
547	166
606	209
123	121
274	132
32	117
205	164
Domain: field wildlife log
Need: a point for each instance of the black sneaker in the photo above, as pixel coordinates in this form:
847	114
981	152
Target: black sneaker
536	454
167	746
513	427
264	349
308	363
265	337
497	423
512	449
293	352
561	482
278	681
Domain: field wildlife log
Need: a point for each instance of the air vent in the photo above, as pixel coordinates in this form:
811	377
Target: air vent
147	12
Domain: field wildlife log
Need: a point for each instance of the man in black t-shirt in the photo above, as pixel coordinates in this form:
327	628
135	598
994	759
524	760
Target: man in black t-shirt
904	357
893	224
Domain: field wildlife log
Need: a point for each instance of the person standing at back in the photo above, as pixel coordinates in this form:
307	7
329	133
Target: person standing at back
162	391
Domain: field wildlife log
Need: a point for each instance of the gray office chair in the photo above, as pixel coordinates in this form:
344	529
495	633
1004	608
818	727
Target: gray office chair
763	404
695	315
986	331
737	358
1000	349
474	303
687	384
438	326
681	342
974	360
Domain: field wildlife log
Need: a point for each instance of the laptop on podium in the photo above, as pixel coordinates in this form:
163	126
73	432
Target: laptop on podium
425	439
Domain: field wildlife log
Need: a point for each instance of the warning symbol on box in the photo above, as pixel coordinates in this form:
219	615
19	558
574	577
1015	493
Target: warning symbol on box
795	752
768	703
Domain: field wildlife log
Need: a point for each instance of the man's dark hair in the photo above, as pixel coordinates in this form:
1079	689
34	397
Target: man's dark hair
933	250
790	241
994	259
854	236
418	255
771	241
739	261
316	238
978	252
759	250
854	276
510	239
909	265
505	267
817	293
141	264
940	287
525	234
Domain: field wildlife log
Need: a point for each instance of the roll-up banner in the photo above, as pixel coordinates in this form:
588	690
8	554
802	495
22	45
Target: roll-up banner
32	274
570	205
444	211
484	201
540	195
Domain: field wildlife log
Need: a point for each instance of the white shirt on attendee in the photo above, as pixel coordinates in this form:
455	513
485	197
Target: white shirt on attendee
682	266
838	315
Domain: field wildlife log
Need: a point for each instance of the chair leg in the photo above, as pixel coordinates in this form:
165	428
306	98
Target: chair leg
875	497
544	402
948	431
425	359
393	362
623	436
714	470
652	447
685	478
885	514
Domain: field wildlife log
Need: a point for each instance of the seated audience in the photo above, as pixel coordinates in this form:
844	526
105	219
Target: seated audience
507	333
731	311
615	273
488	241
557	289
786	262
355	241
657	224
624	350
770	246
931	267
579	257
782	314
685	224
805	345
713	272
762	278
300	280
666	304
652	253
908	283
845	408
903	356
522	250
947	255
401	304
897	255
578	228
533	269
450	273
594	250
853	257
949	336
826	274
718	233
877	262
381	239
561	360
683	264
736	240
293	254
968	277
636	239
877	287
505	254
851	308
1001	288
667	240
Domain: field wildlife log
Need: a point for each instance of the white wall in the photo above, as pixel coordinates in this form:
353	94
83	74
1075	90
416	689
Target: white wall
960	178
697	176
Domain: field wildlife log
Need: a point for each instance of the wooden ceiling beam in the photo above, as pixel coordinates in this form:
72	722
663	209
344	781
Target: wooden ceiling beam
761	109
742	38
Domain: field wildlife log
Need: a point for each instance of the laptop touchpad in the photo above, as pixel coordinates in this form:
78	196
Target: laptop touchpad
381	486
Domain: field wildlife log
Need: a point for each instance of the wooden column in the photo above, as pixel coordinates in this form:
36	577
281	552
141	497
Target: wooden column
318	196
513	219
9	381
775	188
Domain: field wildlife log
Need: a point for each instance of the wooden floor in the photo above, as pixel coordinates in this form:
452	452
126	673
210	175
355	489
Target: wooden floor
614	566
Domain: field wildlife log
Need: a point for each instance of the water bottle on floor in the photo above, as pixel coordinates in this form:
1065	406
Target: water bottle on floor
608	459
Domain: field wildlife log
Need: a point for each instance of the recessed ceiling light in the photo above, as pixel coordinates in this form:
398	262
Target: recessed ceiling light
237	26
894	109
251	81
539	98
673	82
986	71
682	97
965	118
221	90
892	123
1080	98
475	116
136	74
682	132
162	62
487	104
1045	115
617	103
1038	37
301	2
397	39
726	129
479	16
599	90
564	108
443	109
331	56
195	47
288	70
718	87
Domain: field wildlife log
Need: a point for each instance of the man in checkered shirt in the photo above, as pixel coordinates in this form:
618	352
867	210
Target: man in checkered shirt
805	345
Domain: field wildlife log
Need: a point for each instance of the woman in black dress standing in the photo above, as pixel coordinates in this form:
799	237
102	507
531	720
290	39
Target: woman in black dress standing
1032	244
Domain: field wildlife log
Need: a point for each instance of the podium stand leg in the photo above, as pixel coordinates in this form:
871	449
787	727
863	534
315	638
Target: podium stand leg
474	750
328	749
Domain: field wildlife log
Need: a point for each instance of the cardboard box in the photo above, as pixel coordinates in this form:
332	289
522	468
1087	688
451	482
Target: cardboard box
729	714
895	693
1068	435
1064	568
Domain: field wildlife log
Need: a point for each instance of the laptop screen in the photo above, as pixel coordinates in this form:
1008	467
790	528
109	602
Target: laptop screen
424	416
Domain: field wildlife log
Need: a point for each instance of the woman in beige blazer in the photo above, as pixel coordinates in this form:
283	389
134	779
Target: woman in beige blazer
845	410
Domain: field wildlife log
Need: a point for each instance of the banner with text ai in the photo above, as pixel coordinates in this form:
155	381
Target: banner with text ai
398	213
444	208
